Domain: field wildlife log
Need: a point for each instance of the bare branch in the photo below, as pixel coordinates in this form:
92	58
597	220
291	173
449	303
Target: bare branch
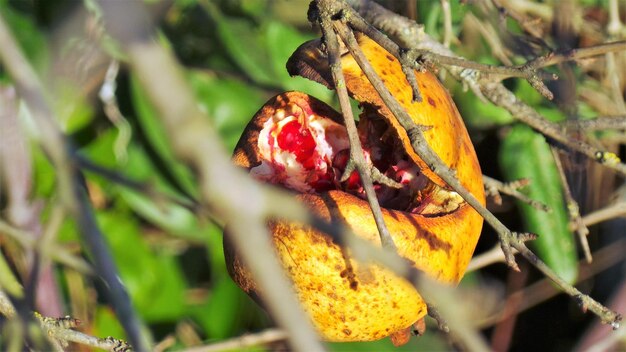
500	96
494	187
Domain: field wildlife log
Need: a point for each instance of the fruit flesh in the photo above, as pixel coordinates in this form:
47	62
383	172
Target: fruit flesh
310	153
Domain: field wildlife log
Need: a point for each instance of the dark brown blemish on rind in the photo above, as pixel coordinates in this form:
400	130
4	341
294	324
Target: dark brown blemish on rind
432	102
389	57
348	332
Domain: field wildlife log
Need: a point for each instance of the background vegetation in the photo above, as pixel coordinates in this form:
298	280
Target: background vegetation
234	53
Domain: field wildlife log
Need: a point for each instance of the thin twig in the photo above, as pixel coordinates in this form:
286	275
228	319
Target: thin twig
433	312
112	111
573	210
544	289
356	151
576	54
141	187
494	187
487	258
61	330
529	26
54	250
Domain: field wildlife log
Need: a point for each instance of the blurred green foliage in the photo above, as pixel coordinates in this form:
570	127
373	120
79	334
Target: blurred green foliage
235	54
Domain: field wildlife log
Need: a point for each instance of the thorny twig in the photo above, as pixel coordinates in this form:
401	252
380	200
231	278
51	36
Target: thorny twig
61	330
494	187
495	92
487	258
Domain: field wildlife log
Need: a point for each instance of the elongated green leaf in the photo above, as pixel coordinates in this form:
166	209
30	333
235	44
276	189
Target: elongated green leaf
154	279
525	154
244	44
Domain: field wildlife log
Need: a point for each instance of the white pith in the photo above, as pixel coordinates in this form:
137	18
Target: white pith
278	166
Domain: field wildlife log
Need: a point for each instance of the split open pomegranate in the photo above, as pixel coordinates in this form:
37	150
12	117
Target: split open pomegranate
308	153
298	142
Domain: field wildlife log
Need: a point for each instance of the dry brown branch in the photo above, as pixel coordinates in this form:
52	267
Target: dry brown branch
494	187
356	151
500	96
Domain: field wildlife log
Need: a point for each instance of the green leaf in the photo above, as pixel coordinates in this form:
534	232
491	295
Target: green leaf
106	323
224	313
480	115
244	44
525	154
31	40
229	103
153	279
73	111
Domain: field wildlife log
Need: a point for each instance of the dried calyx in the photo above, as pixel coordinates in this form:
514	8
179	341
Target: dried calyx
309	153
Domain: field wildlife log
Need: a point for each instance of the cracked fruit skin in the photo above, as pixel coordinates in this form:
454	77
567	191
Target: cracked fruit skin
349	300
